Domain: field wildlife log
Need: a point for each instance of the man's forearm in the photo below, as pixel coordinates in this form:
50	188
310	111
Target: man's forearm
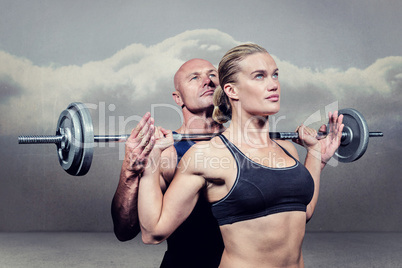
124	207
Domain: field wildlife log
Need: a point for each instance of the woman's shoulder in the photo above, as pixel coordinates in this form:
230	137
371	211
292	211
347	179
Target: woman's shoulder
205	152
209	147
288	146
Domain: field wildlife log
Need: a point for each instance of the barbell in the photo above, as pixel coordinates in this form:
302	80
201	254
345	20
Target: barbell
75	137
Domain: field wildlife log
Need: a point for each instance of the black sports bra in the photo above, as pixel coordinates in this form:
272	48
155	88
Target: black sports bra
260	191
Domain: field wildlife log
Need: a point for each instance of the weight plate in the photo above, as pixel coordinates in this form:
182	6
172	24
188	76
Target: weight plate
69	153
87	137
355	145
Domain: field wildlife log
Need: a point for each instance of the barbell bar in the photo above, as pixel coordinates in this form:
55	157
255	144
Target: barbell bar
75	137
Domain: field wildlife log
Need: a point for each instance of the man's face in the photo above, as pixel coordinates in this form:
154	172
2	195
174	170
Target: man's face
196	81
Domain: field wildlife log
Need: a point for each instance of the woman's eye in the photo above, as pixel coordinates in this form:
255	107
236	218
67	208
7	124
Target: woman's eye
259	76
275	75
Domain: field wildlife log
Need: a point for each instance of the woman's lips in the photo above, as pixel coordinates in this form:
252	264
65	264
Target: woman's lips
273	97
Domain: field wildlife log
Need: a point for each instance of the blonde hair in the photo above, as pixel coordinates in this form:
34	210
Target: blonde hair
228	68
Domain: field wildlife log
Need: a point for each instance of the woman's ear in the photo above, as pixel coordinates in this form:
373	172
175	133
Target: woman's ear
231	91
177	98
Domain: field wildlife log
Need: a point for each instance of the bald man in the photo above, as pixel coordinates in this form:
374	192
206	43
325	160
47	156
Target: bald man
197	242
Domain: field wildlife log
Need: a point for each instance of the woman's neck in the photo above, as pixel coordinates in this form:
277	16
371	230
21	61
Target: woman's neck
249	130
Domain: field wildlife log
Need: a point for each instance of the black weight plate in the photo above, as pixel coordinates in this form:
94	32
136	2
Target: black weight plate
87	141
355	146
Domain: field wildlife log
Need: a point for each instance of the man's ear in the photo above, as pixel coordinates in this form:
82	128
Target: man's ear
177	98
231	91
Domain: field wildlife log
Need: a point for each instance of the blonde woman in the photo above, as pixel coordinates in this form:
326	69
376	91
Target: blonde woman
260	194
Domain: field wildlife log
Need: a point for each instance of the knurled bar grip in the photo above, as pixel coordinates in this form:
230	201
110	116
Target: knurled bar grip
39	139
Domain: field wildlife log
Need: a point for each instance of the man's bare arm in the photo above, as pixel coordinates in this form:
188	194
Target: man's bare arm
124	204
124	208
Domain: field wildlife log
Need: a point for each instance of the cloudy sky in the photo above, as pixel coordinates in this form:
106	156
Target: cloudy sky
56	52
120	56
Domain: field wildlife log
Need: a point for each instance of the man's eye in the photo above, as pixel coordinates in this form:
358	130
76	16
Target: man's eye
275	75
194	78
259	76
212	75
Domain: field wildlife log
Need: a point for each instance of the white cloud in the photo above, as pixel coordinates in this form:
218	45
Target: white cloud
133	74
32	96
383	76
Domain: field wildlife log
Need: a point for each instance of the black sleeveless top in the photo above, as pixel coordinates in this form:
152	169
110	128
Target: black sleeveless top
260	191
197	242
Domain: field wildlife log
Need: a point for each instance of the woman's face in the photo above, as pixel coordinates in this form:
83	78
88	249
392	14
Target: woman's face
258	86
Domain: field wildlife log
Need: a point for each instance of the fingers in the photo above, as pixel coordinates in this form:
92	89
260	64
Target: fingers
139	144
331	143
307	136
141	134
139	152
303	130
138	160
338	125
165	132
335	125
309	131
323	128
143	157
140	126
164	138
335	119
158	133
145	138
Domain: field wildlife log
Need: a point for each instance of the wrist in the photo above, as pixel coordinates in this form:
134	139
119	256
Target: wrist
130	176
315	151
316	147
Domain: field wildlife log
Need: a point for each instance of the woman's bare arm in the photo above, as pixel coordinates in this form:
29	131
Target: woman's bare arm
161	214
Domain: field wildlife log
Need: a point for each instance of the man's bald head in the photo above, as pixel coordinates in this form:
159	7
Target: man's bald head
195	82
188	68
